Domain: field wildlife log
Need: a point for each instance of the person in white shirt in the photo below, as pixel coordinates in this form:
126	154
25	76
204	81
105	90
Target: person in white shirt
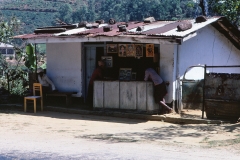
159	89
47	84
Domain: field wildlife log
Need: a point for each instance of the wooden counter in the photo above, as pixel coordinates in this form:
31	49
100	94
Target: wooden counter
132	95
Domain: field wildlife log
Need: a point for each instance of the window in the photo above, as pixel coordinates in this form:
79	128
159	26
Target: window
10	51
3	51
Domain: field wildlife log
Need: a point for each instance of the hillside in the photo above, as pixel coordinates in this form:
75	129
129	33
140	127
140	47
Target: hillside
38	13
32	13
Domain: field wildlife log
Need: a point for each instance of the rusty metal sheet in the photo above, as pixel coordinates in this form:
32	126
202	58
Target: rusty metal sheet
222	86
115	31
219	109
222	95
29	36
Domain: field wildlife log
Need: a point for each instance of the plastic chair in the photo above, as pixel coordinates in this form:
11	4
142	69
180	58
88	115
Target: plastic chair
36	87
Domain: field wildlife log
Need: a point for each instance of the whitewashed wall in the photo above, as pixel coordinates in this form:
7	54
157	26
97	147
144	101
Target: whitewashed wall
64	66
167	68
209	47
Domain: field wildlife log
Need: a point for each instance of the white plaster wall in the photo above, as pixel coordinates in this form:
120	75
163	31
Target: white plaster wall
209	47
167	68
64	66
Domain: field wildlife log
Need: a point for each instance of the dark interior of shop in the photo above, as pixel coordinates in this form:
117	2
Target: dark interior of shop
116	66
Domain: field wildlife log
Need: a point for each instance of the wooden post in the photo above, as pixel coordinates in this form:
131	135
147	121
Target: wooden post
203	103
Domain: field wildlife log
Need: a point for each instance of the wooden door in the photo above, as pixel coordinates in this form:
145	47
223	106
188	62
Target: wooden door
90	65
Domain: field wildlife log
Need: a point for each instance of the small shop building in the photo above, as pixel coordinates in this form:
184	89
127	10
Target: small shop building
7	50
127	48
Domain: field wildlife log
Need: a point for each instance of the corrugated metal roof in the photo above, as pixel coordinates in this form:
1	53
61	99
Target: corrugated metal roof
29	36
195	27
4	45
151	26
157	28
164	31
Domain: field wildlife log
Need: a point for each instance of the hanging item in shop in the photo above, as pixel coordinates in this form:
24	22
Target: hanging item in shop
134	76
107	61
131	50
125	74
139	50
112	48
149	50
122	50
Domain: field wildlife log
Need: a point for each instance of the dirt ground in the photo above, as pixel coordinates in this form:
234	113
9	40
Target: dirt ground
53	125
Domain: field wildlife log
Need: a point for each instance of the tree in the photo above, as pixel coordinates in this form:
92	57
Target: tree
65	13
14	78
8	29
80	14
228	8
91	10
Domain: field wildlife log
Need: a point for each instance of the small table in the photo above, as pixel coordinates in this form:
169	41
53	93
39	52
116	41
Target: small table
68	96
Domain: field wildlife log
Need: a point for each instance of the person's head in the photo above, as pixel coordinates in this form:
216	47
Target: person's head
101	63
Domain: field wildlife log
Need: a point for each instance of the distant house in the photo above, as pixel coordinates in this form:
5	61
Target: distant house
7	50
73	50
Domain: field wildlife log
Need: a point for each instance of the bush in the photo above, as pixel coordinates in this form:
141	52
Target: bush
11	57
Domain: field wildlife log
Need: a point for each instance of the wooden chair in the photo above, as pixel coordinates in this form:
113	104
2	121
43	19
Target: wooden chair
34	98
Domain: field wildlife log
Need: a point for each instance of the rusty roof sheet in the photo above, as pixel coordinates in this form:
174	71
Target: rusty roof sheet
195	27
157	29
115	30
33	35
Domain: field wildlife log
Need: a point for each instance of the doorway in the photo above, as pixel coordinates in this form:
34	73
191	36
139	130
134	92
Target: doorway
92	55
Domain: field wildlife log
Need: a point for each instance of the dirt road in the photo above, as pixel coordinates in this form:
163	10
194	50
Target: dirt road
53	135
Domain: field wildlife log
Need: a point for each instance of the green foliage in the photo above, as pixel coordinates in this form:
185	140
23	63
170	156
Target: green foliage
19	86
65	13
30	62
14	79
39	13
80	14
41	49
228	8
8	28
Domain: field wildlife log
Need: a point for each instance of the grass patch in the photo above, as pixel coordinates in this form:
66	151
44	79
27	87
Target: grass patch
227	142
205	140
108	137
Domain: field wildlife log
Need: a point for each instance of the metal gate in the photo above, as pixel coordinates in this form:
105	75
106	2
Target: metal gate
217	94
192	89
221	94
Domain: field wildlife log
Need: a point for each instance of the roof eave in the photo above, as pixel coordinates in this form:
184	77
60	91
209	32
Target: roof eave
228	30
128	38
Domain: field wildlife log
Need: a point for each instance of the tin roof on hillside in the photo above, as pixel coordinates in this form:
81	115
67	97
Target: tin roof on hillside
4	45
153	29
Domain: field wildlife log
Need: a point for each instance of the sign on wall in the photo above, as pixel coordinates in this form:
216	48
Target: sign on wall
122	50
149	50
108	61
125	74
139	50
112	48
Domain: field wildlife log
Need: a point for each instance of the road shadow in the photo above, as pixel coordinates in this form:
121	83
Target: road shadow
166	133
86	114
159	132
